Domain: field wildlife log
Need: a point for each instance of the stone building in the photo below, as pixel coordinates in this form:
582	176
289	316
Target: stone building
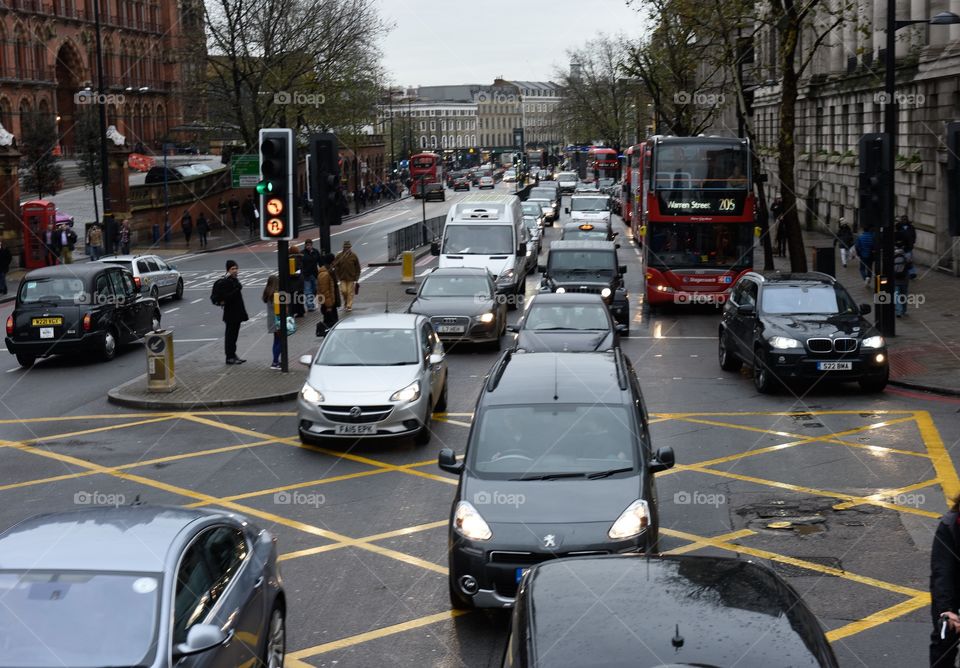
540	100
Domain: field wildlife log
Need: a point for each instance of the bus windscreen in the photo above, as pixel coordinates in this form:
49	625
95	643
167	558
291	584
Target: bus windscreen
700	245
700	167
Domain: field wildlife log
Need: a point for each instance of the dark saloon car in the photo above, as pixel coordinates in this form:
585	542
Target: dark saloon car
140	585
662	612
461	182
434	191
800	327
571	322
558	463
76	309
590	267
462	305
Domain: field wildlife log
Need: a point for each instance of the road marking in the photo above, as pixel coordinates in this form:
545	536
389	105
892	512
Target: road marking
168	311
373	270
398	213
889	493
425	260
879	617
197	301
699	545
406	531
195	340
942	464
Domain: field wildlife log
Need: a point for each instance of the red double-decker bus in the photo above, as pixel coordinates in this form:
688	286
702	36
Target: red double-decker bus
694	216
626	186
425	167
602	163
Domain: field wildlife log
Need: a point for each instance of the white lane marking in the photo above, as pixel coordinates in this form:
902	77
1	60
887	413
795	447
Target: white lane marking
197	301
171	310
388	217
194	340
16	368
425	261
373	271
682	338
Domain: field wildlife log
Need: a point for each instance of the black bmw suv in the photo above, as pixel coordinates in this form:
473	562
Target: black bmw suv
558	463
800	327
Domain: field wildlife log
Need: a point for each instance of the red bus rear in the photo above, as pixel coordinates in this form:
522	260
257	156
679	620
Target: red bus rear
426	165
697	222
602	163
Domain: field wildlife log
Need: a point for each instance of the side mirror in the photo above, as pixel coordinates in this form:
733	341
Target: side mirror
201	638
542	268
662	460
864	309
411	291
623	268
513	328
746	309
435	358
447	461
434	248
616	246
306	360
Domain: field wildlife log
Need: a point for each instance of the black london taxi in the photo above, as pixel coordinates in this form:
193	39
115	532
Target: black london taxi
78	308
660	611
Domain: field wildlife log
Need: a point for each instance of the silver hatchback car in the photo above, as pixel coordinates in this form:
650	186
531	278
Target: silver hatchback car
375	376
152	274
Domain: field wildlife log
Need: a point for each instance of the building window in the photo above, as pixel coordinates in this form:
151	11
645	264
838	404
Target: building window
443	141
459	126
433	141
423	142
433	127
423	125
473	140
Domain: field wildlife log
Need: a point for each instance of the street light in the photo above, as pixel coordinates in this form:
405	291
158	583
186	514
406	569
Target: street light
886	320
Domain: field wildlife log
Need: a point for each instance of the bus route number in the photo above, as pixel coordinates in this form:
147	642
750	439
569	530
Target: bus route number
727	204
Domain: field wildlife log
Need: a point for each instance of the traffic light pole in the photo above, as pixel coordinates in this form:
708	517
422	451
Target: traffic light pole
283	272
886	320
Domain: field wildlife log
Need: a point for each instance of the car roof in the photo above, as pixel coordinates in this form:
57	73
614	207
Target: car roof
125	258
81	270
792	277
101	538
570	378
460	271
726	611
555	298
380	320
582	244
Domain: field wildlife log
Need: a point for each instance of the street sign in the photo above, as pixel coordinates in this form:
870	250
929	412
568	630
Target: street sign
245	171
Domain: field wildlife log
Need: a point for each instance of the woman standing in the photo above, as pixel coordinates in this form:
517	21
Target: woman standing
273	324
944	586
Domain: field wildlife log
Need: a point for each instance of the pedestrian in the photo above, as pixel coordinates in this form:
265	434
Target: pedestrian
228	291
902	273
327	289
273	318
94	242
310	263
906	234
68	241
186	225
203	227
845	240
776	210
50	242
347	267
864	249
5	259
222	213
945	588
234	211
249	211
124	236
297	308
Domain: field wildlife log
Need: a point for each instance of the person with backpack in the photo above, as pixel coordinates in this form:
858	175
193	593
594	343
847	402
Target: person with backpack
902	273
945	588
864	249
844	239
203	227
227	293
273	320
186	225
310	262
906	233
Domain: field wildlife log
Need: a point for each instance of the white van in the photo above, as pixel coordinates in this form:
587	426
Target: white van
487	231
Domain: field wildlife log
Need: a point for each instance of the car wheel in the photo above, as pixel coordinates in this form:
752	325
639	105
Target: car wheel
26	361
110	342
457	601
442	402
179	293
874	385
727	360
422	437
155	293
276	645
762	378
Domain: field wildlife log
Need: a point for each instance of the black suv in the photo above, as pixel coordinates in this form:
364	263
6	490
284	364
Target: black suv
558	463
800	326
588	266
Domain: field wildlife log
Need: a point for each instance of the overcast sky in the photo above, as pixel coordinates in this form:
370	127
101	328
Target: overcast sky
437	42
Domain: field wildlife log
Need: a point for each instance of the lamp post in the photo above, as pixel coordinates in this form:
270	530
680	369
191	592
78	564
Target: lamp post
108	226
886	319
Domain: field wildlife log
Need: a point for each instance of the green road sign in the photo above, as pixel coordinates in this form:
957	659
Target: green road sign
245	171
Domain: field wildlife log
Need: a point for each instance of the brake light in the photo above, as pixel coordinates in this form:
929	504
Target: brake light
136	281
10	325
87	322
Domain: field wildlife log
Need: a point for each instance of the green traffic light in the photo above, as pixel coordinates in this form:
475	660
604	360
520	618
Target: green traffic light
264	187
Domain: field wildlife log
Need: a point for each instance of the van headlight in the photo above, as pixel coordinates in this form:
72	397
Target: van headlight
873	342
310	395
469	524
410	393
632	522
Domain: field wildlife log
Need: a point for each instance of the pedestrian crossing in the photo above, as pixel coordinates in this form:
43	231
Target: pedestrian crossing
201	280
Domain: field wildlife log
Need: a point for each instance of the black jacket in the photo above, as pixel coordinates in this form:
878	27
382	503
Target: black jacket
906	233
5	259
233	308
310	263
945	566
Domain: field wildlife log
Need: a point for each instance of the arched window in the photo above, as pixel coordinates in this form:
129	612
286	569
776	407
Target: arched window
423	142
433	141
443	141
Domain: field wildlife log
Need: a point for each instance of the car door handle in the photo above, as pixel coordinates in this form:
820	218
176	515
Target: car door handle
258	583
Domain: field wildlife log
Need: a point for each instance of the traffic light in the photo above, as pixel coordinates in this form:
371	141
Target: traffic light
276	184
328	201
873	178
953	178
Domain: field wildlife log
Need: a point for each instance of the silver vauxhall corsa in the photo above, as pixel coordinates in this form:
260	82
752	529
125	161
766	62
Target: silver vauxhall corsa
375	376
141	585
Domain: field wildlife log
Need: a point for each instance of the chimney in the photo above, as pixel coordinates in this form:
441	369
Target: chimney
574	70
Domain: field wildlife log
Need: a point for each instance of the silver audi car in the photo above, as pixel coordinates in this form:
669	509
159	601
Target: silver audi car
375	376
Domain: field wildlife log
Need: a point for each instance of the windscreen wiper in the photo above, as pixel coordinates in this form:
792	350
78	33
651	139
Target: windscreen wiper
551	476
605	474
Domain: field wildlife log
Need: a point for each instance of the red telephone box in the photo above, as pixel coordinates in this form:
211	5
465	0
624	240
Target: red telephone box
39	218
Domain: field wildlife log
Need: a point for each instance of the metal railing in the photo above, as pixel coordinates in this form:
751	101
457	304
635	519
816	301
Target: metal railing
413	236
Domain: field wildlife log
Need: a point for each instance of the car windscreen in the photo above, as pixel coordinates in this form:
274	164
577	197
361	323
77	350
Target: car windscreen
581	262
567	178
531	223
456	286
369	347
576	234
78	619
531	208
545	317
589	203
522	440
548	193
478	240
806	300
698	245
66	289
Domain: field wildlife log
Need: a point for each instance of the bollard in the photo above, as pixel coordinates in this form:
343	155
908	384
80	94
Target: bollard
160	375
408	264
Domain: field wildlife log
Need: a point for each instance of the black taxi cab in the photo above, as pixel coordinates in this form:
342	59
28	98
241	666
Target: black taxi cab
78	308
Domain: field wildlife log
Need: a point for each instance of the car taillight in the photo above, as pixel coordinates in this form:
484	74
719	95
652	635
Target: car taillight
10	325
136	281
87	322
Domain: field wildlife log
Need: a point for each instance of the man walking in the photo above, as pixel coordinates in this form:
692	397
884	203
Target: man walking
202	228
186	225
249	211
228	292
5	259
95	242
222	213
864	248
310	263
234	211
905	234
844	240
125	237
347	267
327	286
68	241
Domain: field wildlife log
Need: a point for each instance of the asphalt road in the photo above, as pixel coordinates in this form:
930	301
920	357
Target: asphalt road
838	491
